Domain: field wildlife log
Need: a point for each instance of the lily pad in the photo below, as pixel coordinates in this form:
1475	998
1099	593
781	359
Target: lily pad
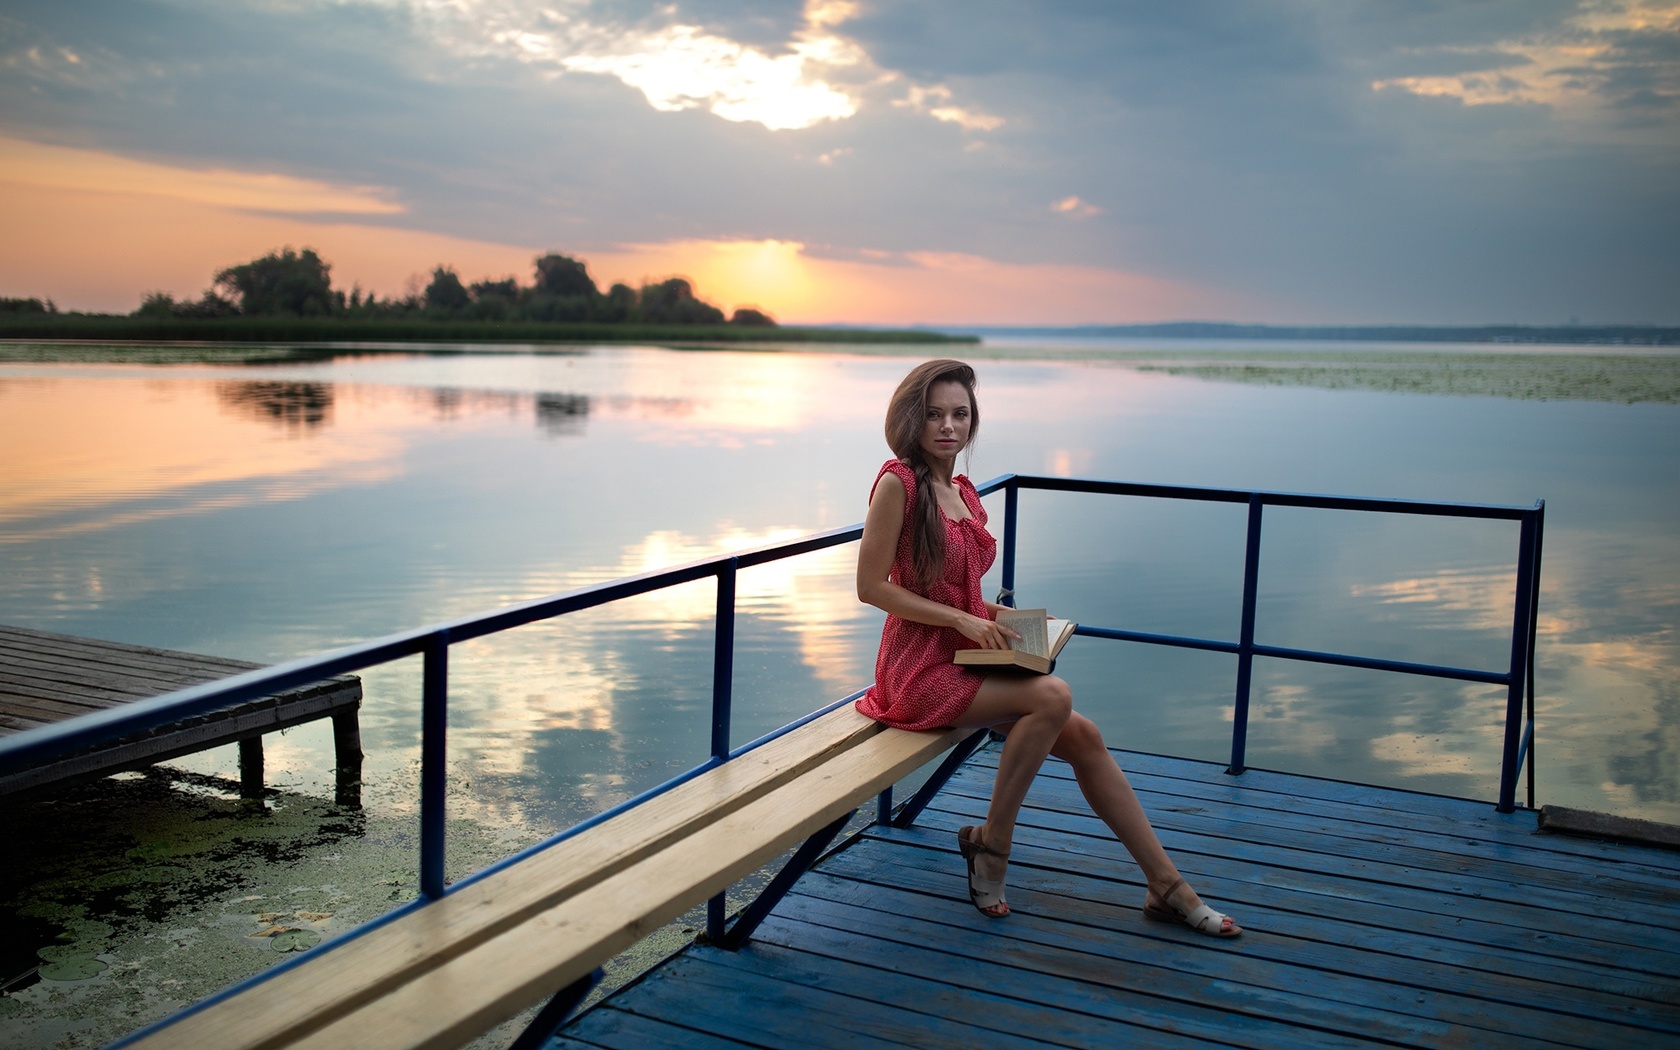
89	930
72	968
60	952
9	1006
295	940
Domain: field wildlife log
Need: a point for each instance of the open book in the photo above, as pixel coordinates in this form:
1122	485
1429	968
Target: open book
1042	637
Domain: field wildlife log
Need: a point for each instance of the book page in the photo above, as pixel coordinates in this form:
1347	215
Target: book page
1031	625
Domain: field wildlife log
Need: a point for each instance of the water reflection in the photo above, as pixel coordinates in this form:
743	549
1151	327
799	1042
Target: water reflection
292	405
270	512
562	414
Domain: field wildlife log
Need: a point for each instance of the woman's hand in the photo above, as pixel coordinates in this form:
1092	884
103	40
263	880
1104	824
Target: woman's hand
987	634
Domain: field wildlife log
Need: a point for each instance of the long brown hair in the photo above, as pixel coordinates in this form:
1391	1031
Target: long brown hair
906	415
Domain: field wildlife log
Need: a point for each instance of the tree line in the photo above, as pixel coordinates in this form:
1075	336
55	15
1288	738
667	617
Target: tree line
288	283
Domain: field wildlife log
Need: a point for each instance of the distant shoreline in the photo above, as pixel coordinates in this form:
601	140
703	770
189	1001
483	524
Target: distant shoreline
1579	335
1523	372
283	329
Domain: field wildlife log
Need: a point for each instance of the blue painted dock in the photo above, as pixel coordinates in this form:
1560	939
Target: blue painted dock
1373	917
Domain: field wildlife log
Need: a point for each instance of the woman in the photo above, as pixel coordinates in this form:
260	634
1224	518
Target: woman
925	547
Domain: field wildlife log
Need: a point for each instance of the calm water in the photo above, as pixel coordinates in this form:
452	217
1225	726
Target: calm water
276	511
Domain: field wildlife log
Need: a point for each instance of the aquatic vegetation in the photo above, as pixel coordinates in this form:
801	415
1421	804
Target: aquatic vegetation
1530	376
138	894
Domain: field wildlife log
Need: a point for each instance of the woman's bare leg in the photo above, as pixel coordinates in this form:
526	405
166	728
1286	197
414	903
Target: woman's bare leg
1112	799
1035	709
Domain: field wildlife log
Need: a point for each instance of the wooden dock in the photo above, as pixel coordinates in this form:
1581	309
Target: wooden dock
1373	917
47	678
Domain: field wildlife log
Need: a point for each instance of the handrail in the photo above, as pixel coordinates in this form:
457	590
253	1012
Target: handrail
1518	678
434	641
22	749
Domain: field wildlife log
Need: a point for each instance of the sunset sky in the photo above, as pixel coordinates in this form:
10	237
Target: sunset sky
935	161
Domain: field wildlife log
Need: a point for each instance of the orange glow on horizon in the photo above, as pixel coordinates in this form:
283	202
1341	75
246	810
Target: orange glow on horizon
59	167
98	232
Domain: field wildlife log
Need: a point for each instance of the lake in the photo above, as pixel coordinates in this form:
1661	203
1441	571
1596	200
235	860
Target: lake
276	511
272	511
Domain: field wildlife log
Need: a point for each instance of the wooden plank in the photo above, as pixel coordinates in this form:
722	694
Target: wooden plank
739	1003
1367	841
1465	819
1357	928
1467	905
1500	843
1354	914
182	738
51	710
30	682
1608	826
614	1029
990	996
453	1002
68	648
318	701
105	677
18	722
28	639
386	957
1471	818
1360	967
1611	899
137	664
47	678
1311	916
1401	1000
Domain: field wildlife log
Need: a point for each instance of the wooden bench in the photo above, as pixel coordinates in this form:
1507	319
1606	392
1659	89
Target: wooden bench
455	967
47	678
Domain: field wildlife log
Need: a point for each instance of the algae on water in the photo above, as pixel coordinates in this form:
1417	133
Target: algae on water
1528	376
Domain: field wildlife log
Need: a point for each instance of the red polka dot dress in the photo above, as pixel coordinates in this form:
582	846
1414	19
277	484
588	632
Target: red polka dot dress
916	684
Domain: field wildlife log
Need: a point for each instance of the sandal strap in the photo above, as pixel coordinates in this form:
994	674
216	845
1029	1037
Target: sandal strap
980	846
1166	895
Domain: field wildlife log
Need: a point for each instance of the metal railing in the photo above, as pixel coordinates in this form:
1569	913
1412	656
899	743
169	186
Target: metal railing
433	643
1518	677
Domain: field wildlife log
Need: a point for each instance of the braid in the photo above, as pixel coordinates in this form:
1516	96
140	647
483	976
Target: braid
927	543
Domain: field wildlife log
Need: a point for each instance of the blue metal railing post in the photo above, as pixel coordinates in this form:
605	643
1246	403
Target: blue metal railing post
1245	640
723	684
1011	501
434	725
1522	619
1533	631
723	659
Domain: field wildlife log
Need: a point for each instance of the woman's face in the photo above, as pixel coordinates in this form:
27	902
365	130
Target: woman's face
949	416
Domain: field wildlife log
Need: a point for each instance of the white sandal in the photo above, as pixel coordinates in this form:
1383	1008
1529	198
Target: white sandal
1201	918
985	893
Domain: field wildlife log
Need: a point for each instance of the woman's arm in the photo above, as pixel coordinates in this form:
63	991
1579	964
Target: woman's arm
875	560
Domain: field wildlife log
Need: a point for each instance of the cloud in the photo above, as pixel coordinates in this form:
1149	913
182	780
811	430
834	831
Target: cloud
1608	53
677	65
682	67
816	75
1075	207
935	101
1227	147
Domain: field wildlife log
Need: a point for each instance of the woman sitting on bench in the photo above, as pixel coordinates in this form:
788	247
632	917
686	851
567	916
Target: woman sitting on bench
925	547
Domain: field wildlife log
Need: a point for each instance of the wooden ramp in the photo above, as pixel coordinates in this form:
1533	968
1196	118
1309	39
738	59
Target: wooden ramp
47	678
1373	917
